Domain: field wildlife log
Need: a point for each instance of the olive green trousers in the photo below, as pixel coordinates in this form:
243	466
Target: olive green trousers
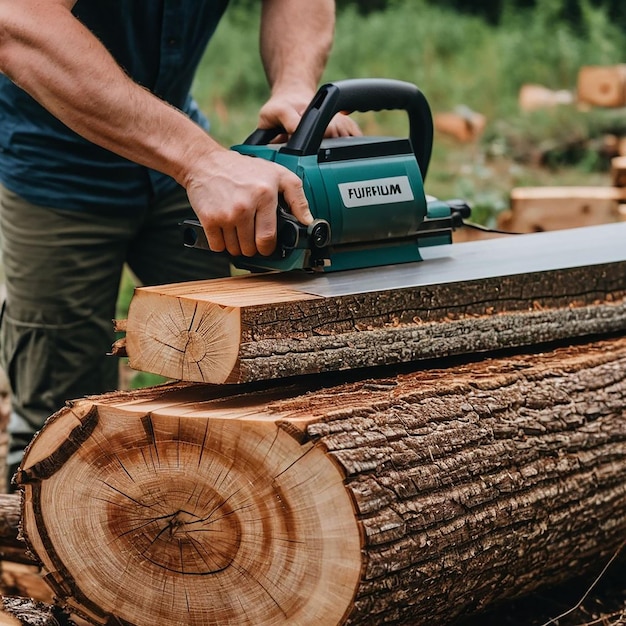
62	271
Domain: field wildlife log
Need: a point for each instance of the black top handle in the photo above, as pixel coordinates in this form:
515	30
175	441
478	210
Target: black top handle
359	94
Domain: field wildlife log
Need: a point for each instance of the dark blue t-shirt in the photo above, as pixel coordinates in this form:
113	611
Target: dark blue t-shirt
159	43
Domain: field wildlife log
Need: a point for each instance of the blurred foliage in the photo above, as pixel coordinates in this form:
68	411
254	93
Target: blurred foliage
457	57
454	57
569	11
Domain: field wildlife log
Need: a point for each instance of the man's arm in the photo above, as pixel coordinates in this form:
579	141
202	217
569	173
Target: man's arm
296	39
46	51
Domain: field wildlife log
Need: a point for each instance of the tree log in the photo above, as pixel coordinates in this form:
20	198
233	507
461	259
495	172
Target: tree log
618	171
463	124
412	498
464	299
602	85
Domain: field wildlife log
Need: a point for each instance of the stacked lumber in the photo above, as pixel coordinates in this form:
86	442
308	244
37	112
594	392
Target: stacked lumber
404	445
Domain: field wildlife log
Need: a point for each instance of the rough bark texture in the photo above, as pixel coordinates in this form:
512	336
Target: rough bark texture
11	546
28	612
463	486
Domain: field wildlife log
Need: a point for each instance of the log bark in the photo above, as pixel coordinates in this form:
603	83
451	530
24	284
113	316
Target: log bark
249	328
12	547
413	498
16	611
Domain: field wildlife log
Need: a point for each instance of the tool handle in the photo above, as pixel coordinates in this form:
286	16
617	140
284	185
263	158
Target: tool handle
365	94
357	94
263	136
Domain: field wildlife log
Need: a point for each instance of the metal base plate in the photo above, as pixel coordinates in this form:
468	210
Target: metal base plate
461	262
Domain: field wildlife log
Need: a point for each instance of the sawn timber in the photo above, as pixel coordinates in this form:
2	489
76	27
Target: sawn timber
463	298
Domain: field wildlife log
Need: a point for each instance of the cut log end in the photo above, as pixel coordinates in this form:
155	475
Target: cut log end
198	341
185	506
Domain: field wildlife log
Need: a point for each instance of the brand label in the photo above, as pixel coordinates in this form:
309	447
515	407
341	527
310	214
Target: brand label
377	191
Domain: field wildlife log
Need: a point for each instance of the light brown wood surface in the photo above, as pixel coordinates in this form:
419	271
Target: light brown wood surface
539	209
408	498
602	85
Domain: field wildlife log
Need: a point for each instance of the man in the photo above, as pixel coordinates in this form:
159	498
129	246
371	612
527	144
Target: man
103	153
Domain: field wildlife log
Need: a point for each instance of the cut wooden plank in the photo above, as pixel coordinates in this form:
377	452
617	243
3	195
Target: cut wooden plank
409	499
465	298
602	85
538	209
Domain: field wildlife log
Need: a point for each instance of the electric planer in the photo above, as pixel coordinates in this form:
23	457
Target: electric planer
365	193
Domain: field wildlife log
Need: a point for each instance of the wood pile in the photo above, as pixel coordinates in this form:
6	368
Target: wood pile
397	489
536	209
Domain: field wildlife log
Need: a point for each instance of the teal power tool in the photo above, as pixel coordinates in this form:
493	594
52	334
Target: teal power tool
365	193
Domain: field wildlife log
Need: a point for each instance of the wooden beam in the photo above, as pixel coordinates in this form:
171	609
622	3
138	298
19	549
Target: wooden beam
539	209
257	327
411	497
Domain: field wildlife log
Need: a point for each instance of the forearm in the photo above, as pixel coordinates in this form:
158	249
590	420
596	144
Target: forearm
46	51
296	38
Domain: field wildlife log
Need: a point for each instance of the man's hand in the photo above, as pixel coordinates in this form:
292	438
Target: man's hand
285	111
235	198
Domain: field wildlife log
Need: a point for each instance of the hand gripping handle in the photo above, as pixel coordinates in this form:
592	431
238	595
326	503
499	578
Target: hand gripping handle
359	94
